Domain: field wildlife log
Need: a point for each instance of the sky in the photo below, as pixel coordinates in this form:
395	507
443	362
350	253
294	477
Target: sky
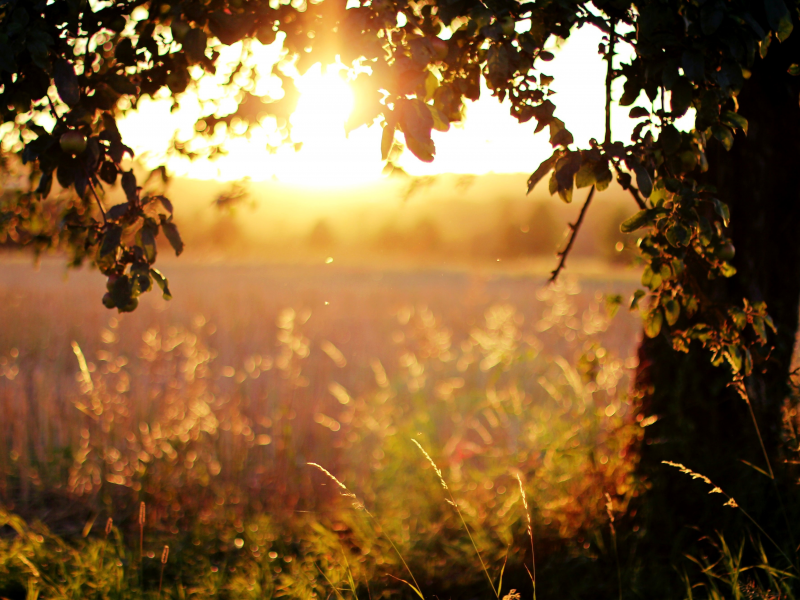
489	140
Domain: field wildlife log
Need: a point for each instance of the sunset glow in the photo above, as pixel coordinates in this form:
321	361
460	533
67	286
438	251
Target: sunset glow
489	140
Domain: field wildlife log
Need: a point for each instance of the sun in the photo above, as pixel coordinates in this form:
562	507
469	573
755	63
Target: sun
326	101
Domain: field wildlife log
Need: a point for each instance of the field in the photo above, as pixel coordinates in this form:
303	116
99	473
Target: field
209	408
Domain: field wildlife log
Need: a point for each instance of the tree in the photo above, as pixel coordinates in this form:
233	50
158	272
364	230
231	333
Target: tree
717	206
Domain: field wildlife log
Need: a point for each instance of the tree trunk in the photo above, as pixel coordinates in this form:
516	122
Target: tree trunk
701	422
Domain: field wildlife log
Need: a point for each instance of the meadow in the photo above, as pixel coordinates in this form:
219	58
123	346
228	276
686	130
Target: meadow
191	424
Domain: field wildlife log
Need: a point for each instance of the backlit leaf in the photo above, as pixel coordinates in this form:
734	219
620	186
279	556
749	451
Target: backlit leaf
173	236
66	82
543	170
672	310
653	322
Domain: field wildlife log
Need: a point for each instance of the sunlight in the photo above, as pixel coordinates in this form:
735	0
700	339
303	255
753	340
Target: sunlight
489	141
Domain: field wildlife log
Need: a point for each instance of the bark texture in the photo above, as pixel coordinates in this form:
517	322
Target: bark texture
702	423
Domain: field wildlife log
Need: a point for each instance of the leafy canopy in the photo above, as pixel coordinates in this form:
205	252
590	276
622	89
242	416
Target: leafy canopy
70	68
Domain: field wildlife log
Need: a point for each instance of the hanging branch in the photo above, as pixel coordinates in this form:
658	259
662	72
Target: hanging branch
609	79
562	255
574	227
83	166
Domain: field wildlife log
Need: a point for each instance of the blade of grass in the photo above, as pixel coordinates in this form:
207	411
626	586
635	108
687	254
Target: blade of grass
460	516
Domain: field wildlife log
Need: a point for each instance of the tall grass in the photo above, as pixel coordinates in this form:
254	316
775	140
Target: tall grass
211	424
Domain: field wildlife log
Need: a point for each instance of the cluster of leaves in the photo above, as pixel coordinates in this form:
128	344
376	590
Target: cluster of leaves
413	64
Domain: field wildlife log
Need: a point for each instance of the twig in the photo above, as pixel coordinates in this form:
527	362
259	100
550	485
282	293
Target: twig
94	193
574	227
609	79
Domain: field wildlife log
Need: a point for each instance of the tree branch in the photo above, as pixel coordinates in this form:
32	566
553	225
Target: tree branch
609	78
574	227
83	166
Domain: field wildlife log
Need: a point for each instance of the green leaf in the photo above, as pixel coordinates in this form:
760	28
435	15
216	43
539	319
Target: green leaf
678	235
653	322
794	70
613	302
637	112
174	238
724	135
431	85
637	295
162	283
672	310
779	18
760	328
723	211
734	120
586	175
641	219
734	356
603	177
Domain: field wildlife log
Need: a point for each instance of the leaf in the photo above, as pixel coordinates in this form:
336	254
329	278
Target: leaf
565	170
637	295
422	149
195	45
109	245
162	282
66	82
760	328
793	70
129	185
734	120
638	112
724	135
387	139
653	322
681	97
643	180
559	135
779	18
734	356
693	64
603	177
723	211
641	219
173	236
613	302
116	212
678	235
431	85
670	139
543	170
440	121
147	240
122	85
415	119
45	184
672	310
711	17
586	175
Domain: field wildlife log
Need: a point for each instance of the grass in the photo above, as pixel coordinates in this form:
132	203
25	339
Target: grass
191	426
